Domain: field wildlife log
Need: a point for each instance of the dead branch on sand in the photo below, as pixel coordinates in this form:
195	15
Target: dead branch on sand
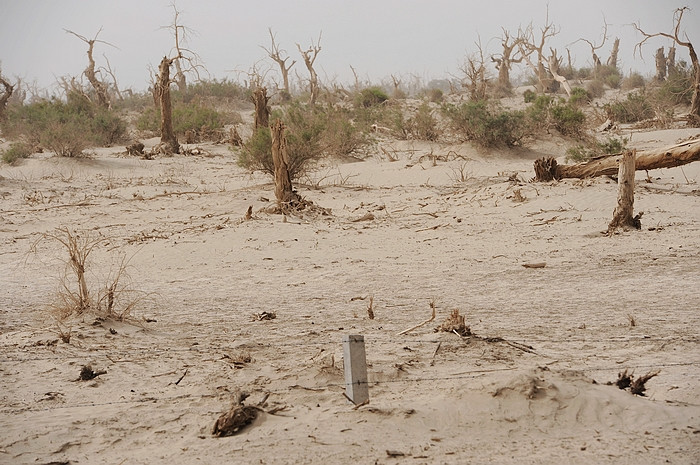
406	331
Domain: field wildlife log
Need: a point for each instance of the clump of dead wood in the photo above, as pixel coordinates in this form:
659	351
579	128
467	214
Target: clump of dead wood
455	324
237	417
626	380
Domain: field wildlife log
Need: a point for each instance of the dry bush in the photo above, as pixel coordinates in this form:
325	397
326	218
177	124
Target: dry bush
455	324
116	299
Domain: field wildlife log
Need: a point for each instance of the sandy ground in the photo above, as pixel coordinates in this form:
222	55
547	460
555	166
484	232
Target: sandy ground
454	230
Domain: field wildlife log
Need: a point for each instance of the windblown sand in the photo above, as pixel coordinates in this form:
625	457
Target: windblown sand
455	228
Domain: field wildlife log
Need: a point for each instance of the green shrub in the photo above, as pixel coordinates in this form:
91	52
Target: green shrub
583	153
635	108
613	81
66	128
568	120
16	152
370	97
311	131
529	96
546	113
186	117
487	125
579	96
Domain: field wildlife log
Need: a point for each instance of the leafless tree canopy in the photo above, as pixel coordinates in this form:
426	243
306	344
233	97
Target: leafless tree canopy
505	60
280	57
5	95
309	57
683	42
91	73
532	50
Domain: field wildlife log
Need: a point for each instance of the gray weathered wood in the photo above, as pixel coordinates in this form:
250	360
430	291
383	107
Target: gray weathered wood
355	362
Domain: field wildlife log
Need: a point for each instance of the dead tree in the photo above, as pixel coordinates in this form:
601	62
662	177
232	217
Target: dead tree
161	87
90	73
109	71
532	45
275	53
168	140
262	109
612	59
474	69
504	61
310	56
284	193
554	64
623	214
398	93
660	61
597	64
5	96
671	62
676	37
547	169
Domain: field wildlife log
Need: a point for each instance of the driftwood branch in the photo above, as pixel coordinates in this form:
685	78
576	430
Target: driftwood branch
547	169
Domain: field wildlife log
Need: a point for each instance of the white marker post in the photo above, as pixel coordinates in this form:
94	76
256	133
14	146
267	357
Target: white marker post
355	362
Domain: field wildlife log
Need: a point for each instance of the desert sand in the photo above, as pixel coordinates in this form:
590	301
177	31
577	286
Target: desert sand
454	228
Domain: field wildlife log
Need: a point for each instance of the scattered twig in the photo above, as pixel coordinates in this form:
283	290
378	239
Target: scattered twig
406	331
181	377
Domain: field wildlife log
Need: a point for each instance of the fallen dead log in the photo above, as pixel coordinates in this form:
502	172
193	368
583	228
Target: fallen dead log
547	169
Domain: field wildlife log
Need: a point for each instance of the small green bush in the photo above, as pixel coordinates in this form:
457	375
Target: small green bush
579	96
312	132
370	97
583	153
568	120
635	108
16	152
546	113
487	125
529	96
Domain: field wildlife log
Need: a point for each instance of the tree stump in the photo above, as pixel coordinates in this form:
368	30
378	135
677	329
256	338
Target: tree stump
286	197
262	110
167	134
546	169
623	214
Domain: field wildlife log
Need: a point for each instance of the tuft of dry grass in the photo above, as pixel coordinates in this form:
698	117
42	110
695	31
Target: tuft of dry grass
116	299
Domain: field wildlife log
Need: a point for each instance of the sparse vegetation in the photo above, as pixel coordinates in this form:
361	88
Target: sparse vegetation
16	152
635	107
487	124
582	153
65	128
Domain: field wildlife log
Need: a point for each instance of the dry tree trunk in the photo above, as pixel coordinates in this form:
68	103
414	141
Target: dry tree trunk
262	110
5	96
547	169
180	78
623	214
660	65
286	197
612	61
167	134
671	61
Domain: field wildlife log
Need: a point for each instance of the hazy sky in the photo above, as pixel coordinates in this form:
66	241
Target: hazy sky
427	38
